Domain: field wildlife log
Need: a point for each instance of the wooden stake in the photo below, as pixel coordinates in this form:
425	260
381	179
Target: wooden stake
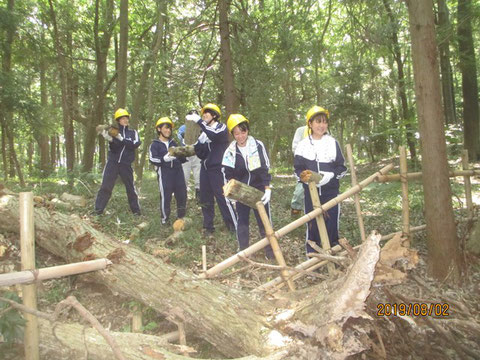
405	205
468	185
244	193
277	252
418	175
29	276
322	228
356	197
137	318
204	258
27	243
252	249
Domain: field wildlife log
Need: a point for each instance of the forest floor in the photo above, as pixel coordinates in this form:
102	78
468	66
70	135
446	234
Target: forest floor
395	338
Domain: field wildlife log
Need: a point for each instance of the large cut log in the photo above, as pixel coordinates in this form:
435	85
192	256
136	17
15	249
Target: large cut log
192	131
228	319
74	340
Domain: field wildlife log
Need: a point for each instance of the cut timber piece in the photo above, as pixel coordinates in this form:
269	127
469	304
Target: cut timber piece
112	129
182	151
74	199
308	176
192	131
29	276
244	193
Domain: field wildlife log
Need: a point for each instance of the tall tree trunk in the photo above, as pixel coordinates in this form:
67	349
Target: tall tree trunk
7	112
53	151
231	96
442	240
64	65
122	57
444	31
102	44
397	55
42	138
146	81
471	127
4	150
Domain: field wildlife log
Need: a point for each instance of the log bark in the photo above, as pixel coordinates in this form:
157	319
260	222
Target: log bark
182	151
227	319
192	132
239	191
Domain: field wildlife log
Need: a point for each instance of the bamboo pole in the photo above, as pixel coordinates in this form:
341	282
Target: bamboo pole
353	174
277	252
468	185
322	228
315	263
418	175
405	205
232	260
29	276
27	243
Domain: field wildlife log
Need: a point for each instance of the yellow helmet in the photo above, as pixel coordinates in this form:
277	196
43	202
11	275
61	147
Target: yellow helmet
164	120
234	120
121	113
314	110
211	107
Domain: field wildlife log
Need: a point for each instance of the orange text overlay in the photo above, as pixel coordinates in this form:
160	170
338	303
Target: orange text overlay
413	309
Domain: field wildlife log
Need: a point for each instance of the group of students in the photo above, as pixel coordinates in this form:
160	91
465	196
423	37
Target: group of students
244	159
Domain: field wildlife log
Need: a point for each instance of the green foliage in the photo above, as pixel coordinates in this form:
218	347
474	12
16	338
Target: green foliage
11	322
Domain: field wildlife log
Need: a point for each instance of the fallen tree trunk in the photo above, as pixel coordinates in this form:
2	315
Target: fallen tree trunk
74	340
226	318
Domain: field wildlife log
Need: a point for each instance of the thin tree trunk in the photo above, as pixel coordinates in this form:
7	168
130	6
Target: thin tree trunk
231	96
442	240
444	30
12	152
102	44
4	150
122	57
397	55
42	139
471	127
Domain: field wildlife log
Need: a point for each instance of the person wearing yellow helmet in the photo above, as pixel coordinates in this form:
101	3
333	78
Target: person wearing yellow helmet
320	152
211	145
121	154
246	160
169	170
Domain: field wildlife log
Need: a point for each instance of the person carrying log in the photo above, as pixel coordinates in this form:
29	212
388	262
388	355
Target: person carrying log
121	154
246	160
319	152
169	170
210	147
192	165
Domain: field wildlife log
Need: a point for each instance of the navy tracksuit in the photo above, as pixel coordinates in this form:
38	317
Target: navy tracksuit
170	179
120	157
322	155
210	147
258	178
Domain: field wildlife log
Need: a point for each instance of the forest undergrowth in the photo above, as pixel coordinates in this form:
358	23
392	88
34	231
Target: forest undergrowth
394	337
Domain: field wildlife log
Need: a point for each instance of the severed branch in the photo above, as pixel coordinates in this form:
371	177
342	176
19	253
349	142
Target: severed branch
280	268
71	301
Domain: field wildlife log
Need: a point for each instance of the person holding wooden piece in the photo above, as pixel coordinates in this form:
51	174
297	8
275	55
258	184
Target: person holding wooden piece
169	170
121	154
210	147
320	153
246	160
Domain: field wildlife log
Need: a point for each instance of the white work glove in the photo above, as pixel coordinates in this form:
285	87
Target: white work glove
266	197
119	137
168	158
107	137
327	176
193	117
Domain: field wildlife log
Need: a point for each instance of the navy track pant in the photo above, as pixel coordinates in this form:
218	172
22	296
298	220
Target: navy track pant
110	173
211	186
331	217
243	227
172	181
